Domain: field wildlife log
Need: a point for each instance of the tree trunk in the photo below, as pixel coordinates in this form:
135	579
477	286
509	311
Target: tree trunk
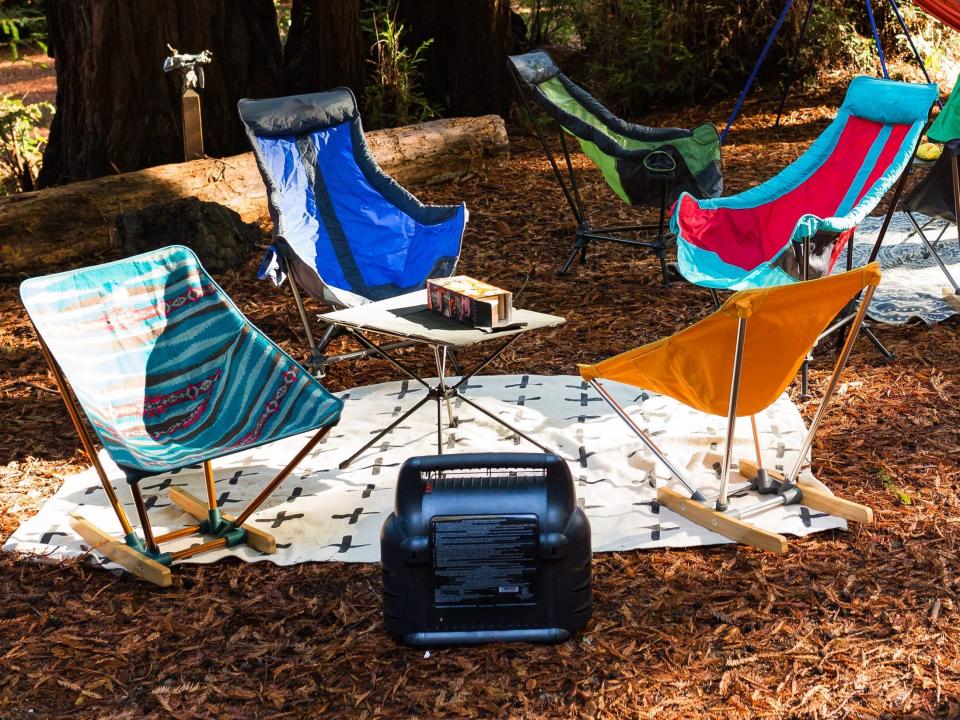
67	226
118	111
324	48
465	70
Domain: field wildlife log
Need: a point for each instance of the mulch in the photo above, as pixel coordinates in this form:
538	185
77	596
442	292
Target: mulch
859	624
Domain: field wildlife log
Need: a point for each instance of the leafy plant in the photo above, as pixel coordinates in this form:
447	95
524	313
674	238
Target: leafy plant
392	95
549	22
891	487
283	17
21	25
21	143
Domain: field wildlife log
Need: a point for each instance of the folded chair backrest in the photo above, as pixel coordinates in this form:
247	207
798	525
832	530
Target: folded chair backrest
165	366
695	365
745	240
618	148
347	231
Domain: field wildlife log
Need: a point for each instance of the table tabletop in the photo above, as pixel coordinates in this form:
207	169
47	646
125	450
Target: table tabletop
407	316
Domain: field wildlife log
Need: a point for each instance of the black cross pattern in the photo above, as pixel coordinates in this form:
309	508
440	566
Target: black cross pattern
166	483
584	456
584	399
524	382
806	517
378	465
584	385
354	516
235	478
50	535
582	418
196	466
346	544
393	413
365	492
522	400
395	427
405	390
224	499
654	505
298	493
150	502
512	436
471	386
452	441
281	518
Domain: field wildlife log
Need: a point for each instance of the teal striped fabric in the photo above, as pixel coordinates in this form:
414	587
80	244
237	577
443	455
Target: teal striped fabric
166	367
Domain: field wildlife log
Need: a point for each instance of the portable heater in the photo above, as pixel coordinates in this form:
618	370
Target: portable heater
483	548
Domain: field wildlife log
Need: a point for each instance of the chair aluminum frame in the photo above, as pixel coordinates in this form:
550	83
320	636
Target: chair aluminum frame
932	246
781	489
142	556
587	233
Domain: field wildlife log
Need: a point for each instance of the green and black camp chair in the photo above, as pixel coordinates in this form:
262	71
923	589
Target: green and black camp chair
643	165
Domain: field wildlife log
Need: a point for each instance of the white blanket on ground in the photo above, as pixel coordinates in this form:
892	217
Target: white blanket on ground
322	513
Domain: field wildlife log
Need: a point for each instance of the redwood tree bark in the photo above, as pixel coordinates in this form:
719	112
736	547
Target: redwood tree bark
324	47
465	70
118	111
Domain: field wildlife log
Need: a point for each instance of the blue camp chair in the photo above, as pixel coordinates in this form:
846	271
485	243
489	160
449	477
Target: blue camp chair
169	374
344	231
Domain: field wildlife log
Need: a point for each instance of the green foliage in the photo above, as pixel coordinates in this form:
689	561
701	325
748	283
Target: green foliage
392	96
549	22
638	54
22	24
891	487
283	17
21	143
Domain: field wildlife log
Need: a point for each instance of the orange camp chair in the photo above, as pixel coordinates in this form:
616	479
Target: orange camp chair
737	362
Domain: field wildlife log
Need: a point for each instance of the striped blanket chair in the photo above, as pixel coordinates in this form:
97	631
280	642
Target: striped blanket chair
169	373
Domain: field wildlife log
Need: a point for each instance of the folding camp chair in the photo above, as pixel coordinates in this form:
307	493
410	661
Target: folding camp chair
344	231
737	362
937	195
795	225
169	373
642	165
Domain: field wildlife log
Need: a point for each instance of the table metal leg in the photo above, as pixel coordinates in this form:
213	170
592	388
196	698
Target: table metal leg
346	463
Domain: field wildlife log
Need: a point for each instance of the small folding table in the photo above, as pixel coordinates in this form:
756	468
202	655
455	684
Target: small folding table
406	317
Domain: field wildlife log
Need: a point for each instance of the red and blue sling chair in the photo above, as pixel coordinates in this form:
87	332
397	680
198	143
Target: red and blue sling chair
795	225
169	373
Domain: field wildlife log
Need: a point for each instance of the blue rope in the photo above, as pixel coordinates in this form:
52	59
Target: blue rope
876	39
756	69
916	53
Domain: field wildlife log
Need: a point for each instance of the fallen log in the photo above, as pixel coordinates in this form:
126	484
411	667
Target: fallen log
66	226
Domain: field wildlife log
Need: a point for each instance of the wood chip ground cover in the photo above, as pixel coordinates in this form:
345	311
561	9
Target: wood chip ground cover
859	624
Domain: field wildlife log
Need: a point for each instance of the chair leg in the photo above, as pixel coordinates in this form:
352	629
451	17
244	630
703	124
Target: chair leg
131	560
815	498
195	507
721	523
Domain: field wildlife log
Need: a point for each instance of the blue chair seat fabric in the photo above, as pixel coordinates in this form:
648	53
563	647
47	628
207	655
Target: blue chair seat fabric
167	369
348	232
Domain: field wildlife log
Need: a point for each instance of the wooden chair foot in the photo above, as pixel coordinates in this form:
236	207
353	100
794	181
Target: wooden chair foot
119	552
730	527
192	505
815	498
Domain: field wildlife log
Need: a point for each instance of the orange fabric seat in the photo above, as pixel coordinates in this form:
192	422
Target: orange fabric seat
695	365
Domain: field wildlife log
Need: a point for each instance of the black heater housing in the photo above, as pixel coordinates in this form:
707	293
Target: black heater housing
483	548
